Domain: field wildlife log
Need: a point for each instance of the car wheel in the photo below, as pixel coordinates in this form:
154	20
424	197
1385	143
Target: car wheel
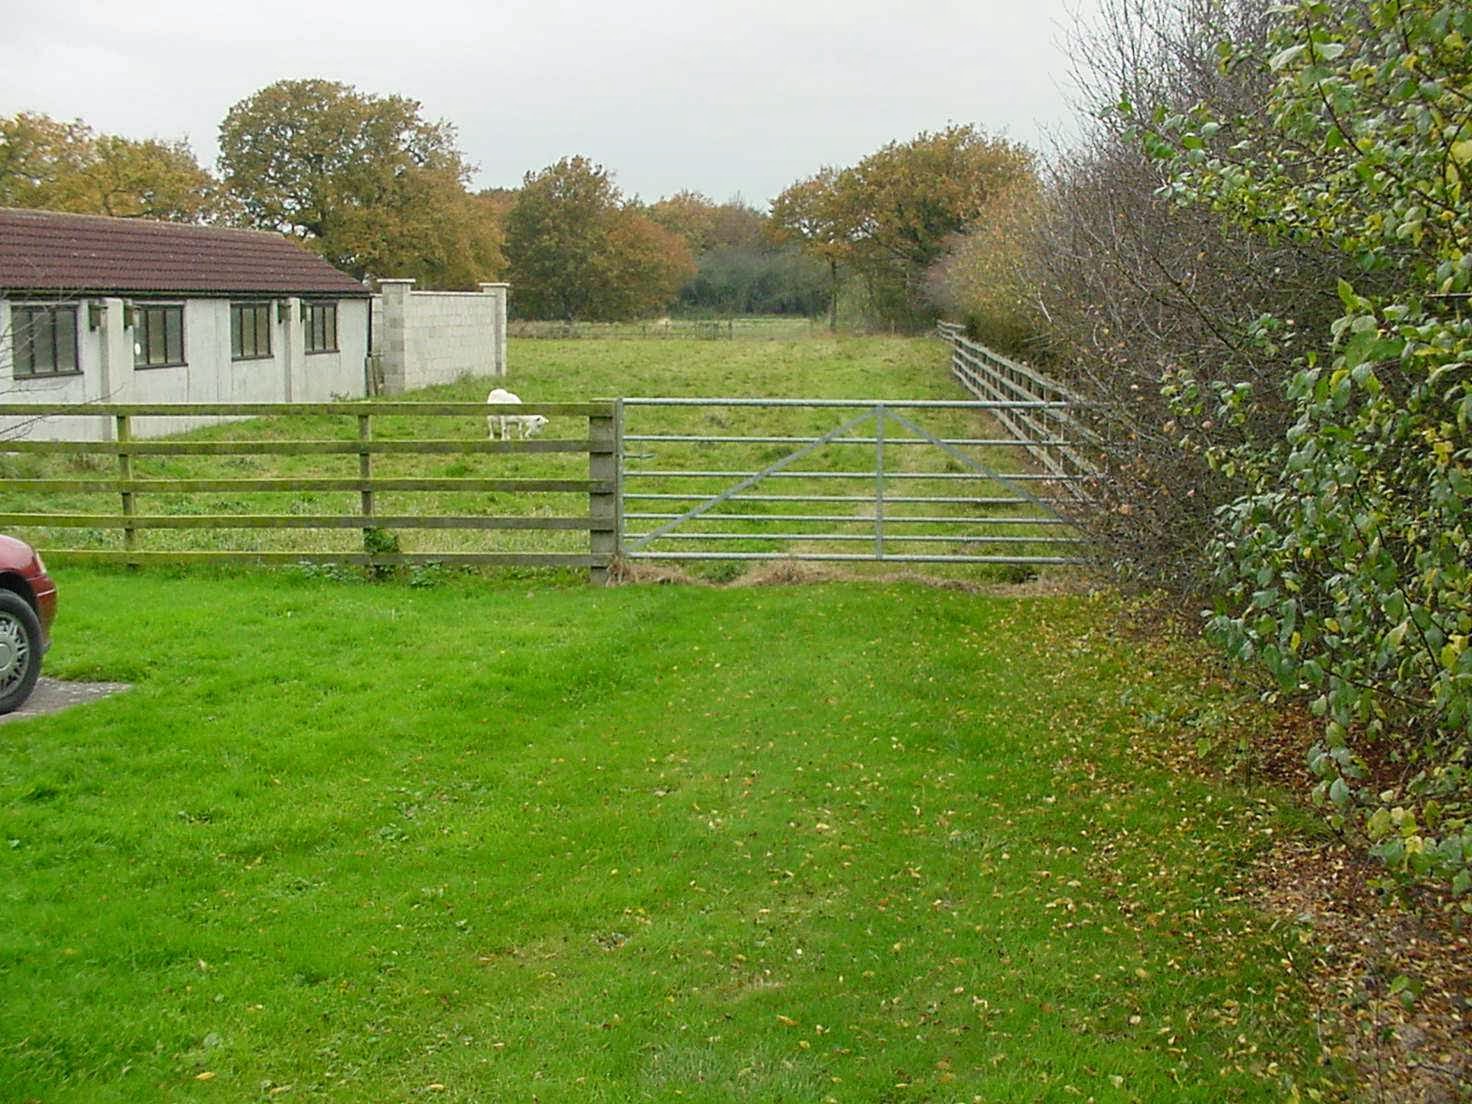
20	650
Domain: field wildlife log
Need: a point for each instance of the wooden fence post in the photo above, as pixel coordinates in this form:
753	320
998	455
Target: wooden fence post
365	473
125	474
605	504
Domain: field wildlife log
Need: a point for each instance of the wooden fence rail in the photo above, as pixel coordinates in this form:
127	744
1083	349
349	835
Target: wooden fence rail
1050	432
600	520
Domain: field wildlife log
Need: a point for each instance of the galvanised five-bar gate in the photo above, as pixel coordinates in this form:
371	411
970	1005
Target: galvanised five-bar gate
877	484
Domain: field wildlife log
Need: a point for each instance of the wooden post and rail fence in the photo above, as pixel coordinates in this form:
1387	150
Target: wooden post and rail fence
600	521
1048	429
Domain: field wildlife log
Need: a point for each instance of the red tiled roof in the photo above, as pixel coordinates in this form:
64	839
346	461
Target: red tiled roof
48	251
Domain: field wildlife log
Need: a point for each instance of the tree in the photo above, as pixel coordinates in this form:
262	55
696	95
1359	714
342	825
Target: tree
68	167
707	225
812	213
577	251
733	279
982	279
904	201
691	215
649	266
36	150
362	179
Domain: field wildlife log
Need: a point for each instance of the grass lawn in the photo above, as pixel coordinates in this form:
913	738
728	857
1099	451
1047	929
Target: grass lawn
527	841
818	366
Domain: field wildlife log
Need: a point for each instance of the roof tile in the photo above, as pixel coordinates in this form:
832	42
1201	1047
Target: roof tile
49	251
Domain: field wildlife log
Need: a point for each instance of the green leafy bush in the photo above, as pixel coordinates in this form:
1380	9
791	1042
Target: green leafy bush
1344	570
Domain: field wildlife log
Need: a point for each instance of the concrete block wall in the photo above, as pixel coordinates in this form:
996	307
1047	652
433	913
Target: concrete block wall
429	337
108	374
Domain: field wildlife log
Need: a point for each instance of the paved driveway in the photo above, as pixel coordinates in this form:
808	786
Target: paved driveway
53	695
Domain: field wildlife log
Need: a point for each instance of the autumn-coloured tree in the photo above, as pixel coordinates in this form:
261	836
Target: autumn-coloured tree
984	278
905	200
691	215
35	151
61	166
706	224
557	238
812	213
577	251
650	265
362	179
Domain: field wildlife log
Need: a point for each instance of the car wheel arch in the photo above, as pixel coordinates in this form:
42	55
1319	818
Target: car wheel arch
17	585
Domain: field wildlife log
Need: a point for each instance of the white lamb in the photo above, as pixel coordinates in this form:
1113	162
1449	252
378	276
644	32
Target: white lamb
502	425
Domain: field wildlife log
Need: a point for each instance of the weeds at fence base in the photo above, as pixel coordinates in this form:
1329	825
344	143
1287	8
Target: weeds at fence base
382	542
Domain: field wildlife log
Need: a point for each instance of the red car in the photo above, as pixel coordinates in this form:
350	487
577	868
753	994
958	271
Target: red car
27	608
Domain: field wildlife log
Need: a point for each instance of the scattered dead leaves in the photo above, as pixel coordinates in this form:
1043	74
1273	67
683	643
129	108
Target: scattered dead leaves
800	572
1418	1051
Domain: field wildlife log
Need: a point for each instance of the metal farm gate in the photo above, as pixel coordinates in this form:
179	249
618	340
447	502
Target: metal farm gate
840	480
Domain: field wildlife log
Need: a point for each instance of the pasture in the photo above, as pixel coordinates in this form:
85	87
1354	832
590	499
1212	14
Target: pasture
523	840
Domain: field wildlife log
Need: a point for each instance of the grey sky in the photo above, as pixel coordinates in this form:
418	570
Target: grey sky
716	97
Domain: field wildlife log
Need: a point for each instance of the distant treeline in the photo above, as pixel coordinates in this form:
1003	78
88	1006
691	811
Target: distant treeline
379	191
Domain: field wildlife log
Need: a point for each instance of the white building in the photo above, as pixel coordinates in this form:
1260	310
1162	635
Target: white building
96	309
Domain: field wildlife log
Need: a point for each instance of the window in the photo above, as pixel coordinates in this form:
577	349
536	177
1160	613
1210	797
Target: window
158	337
321	327
250	331
45	340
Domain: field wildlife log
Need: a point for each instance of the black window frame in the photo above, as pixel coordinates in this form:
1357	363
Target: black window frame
22	344
322	311
258	309
142	332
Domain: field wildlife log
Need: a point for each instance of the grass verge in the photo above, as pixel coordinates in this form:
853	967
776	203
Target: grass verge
850	842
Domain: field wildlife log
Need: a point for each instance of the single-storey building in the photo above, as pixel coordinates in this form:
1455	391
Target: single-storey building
96	309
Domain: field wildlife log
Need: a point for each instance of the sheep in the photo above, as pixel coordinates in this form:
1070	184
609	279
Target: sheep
530	424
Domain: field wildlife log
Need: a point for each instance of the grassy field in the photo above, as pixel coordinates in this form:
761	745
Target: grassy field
760	327
523	841
813	367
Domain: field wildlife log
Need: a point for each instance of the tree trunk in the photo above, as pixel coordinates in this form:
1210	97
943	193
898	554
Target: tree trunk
833	300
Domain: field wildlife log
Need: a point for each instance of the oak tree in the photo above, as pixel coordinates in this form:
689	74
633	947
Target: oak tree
61	166
812	214
576	250
364	180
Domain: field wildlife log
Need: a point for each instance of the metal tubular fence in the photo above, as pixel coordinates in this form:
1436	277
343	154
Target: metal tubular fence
955	528
131	488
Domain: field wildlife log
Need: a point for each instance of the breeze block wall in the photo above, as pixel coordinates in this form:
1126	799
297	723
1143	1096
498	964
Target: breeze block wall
429	337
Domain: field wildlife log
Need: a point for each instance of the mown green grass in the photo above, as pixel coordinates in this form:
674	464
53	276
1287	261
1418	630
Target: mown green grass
816	367
856	842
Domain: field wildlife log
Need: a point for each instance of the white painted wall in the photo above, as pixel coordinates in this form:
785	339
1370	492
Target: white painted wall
105	355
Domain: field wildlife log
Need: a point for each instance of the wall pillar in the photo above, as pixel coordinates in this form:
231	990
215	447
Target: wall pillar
114	358
498	338
395	344
293	346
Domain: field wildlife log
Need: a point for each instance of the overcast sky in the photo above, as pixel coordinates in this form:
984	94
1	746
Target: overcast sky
722	98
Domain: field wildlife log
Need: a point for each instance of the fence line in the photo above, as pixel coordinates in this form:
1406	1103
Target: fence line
723	329
600	487
1048	430
948	505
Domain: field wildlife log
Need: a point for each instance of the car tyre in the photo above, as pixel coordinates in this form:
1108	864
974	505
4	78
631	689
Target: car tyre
20	650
